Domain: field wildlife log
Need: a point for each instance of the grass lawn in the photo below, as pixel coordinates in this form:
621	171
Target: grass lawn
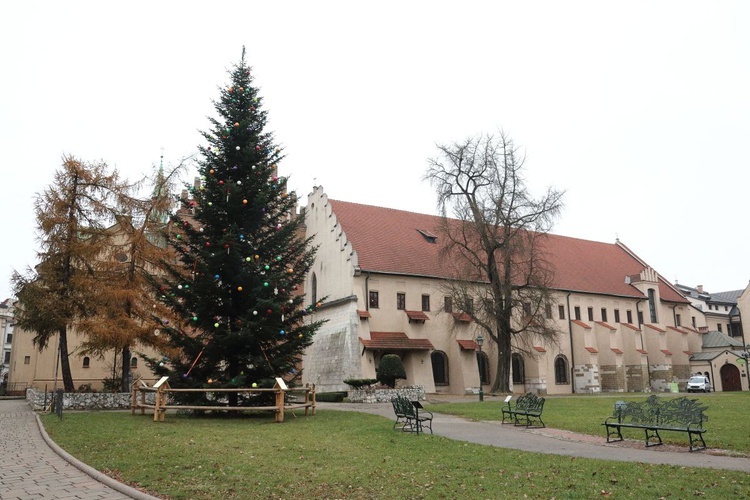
338	454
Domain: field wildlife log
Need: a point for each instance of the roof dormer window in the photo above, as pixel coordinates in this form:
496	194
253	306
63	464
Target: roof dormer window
431	238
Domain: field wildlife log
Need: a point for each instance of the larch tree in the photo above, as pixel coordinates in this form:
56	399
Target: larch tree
242	259
125	305
494	240
59	292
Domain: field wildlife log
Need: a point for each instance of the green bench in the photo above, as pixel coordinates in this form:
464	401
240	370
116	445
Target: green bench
528	408
659	414
409	416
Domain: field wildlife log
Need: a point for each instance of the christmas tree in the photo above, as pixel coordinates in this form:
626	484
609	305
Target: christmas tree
235	288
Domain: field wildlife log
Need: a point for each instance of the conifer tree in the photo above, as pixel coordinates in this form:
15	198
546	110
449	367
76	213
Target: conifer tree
58	294
241	259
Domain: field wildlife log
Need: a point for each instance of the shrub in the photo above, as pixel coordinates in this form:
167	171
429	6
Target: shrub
390	369
359	383
330	397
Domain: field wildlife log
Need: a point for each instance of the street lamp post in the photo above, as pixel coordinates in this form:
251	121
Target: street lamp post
480	341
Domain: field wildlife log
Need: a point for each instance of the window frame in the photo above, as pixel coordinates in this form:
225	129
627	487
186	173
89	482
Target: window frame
426	302
443	360
401	301
374	304
562	377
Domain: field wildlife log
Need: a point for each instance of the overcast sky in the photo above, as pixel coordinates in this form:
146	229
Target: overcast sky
640	111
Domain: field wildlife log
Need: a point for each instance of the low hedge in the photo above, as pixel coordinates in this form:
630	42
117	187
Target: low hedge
330	397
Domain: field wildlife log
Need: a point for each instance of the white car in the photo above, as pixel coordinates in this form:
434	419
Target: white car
698	383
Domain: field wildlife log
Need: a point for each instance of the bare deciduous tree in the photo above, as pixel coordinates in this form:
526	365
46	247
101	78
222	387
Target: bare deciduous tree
495	243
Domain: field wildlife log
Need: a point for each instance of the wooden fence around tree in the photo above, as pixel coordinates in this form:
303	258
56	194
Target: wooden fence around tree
161	391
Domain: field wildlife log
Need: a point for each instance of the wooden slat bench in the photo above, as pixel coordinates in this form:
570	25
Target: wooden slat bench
528	408
659	414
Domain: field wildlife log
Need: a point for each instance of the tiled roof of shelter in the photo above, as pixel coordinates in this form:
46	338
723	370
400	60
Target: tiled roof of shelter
392	241
395	341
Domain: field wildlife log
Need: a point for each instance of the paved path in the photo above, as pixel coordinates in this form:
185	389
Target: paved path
31	469
553	441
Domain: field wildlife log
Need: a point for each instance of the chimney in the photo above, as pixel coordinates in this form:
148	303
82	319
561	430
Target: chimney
699	288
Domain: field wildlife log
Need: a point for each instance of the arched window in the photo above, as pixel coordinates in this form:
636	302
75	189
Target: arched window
86	362
314	287
561	370
484	367
133	362
652	305
439	367
517	368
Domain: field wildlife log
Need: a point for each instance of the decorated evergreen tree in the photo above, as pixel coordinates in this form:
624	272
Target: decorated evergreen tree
241	260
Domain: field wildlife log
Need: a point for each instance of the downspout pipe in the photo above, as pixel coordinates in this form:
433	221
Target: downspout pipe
572	351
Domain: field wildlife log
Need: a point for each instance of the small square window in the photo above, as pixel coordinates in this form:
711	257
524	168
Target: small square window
577	312
629	314
400	301
591	313
617	315
561	311
27	360
604	314
527	309
374	299
548	311
448	304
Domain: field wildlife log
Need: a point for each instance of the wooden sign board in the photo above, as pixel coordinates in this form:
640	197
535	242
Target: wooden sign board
160	382
282	385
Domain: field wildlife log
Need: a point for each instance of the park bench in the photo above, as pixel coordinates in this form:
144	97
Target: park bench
409	416
528	407
659	414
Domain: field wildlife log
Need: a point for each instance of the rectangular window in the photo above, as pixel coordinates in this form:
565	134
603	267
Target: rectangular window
425	302
604	314
617	315
527	309
577	312
470	306
591	313
718	326
9	338
401	301
692	320
6	359
561	311
448	304
548	311
652	305
640	318
629	314
678	320
374	299
27	360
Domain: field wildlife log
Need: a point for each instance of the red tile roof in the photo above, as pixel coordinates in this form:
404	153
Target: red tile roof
395	341
677	329
654	327
642	351
417	315
463	317
388	241
668	353
581	324
605	325
592	350
540	349
468	345
616	351
632	327
363	314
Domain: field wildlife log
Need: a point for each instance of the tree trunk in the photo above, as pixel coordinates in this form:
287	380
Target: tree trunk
502	376
125	382
65	361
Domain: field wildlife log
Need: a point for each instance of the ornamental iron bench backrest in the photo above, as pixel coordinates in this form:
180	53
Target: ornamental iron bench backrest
657	411
529	403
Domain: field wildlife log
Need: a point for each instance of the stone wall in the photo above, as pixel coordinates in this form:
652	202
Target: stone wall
613	378
84	400
411	392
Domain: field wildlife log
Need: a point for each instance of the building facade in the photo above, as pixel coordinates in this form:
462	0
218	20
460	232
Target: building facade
7	308
378	274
